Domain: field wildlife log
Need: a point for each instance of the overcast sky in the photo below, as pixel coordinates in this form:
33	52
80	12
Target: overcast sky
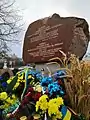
35	9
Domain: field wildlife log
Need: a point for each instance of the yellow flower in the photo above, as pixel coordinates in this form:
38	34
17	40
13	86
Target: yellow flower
8	81
11	100
2	107
38	88
32	78
23	118
43	97
59	101
37	106
3	96
29	77
20	77
16	85
36	116
6	105
13	96
59	115
8	100
42	103
53	107
23	80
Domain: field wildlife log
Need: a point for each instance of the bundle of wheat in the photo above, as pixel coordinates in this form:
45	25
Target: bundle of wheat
77	83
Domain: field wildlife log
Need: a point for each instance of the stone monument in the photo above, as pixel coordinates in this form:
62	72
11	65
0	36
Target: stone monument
45	38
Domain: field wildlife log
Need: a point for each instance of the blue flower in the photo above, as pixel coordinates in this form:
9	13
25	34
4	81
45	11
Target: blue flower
55	89
39	76
1	78
33	72
62	92
4	84
46	80
59	74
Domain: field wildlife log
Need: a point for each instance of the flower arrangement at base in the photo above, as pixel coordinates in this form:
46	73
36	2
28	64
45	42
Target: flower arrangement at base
32	95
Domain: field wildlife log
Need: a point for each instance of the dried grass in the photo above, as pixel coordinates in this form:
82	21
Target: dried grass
77	83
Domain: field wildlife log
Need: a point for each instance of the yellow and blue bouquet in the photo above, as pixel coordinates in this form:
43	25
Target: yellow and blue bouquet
39	96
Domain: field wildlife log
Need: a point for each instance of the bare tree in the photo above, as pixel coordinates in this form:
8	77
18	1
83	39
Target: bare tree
9	25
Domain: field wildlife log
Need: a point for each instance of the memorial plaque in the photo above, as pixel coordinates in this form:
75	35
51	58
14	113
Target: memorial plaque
45	38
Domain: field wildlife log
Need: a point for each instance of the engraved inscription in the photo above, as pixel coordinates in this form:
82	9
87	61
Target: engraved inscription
45	49
45	33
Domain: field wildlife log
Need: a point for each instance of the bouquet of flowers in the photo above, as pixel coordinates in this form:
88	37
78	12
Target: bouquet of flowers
32	95
43	97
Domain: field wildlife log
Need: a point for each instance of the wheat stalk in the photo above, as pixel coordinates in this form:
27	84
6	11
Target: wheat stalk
77	83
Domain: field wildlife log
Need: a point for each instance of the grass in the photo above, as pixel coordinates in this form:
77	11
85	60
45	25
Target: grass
77	83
